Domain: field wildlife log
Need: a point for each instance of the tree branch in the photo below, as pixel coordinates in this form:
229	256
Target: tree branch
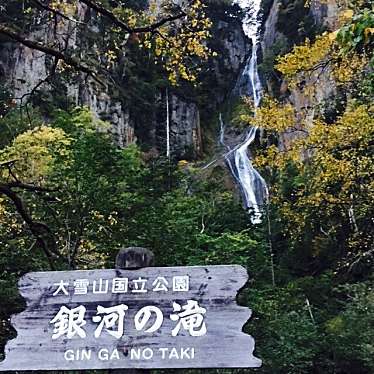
154	26
28	187
54	11
109	14
40	230
71	61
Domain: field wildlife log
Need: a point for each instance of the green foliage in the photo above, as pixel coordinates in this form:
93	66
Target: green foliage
268	61
186	228
287	337
104	198
358	35
365	89
12	123
316	316
351	333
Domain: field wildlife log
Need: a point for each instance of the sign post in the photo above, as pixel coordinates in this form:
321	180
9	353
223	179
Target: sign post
147	318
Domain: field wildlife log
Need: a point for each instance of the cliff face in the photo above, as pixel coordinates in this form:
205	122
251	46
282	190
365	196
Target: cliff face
277	37
24	70
191	110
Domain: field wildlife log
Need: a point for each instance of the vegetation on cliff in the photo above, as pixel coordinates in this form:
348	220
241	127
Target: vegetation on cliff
319	167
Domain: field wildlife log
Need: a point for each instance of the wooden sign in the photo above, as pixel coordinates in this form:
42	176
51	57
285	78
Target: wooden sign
174	317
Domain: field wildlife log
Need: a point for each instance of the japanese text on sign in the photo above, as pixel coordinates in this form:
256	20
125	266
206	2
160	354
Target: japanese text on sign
71	322
178	283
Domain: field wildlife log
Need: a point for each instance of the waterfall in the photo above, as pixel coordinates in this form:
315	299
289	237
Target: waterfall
222	132
252	185
167	125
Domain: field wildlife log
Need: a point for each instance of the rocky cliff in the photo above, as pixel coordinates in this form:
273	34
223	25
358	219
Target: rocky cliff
288	23
139	114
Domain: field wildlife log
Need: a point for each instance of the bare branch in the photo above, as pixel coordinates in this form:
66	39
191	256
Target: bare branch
29	187
55	11
156	25
8	163
107	13
149	28
71	61
61	54
40	230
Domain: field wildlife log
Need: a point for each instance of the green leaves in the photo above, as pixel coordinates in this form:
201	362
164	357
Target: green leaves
358	34
351	332
287	338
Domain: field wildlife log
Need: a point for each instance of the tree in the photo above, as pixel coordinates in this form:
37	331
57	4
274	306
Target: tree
90	41
175	33
49	176
321	173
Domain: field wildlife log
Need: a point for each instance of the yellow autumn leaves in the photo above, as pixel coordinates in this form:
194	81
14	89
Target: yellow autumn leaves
181	46
66	7
334	52
178	43
334	160
33	152
331	159
271	115
304	58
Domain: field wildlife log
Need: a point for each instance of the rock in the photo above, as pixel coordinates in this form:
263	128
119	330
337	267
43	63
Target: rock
185	131
324	14
23	69
270	33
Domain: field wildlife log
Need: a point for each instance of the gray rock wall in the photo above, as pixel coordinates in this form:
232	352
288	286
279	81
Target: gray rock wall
270	33
185	130
24	69
307	105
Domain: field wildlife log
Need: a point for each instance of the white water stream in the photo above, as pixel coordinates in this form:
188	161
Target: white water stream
252	185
